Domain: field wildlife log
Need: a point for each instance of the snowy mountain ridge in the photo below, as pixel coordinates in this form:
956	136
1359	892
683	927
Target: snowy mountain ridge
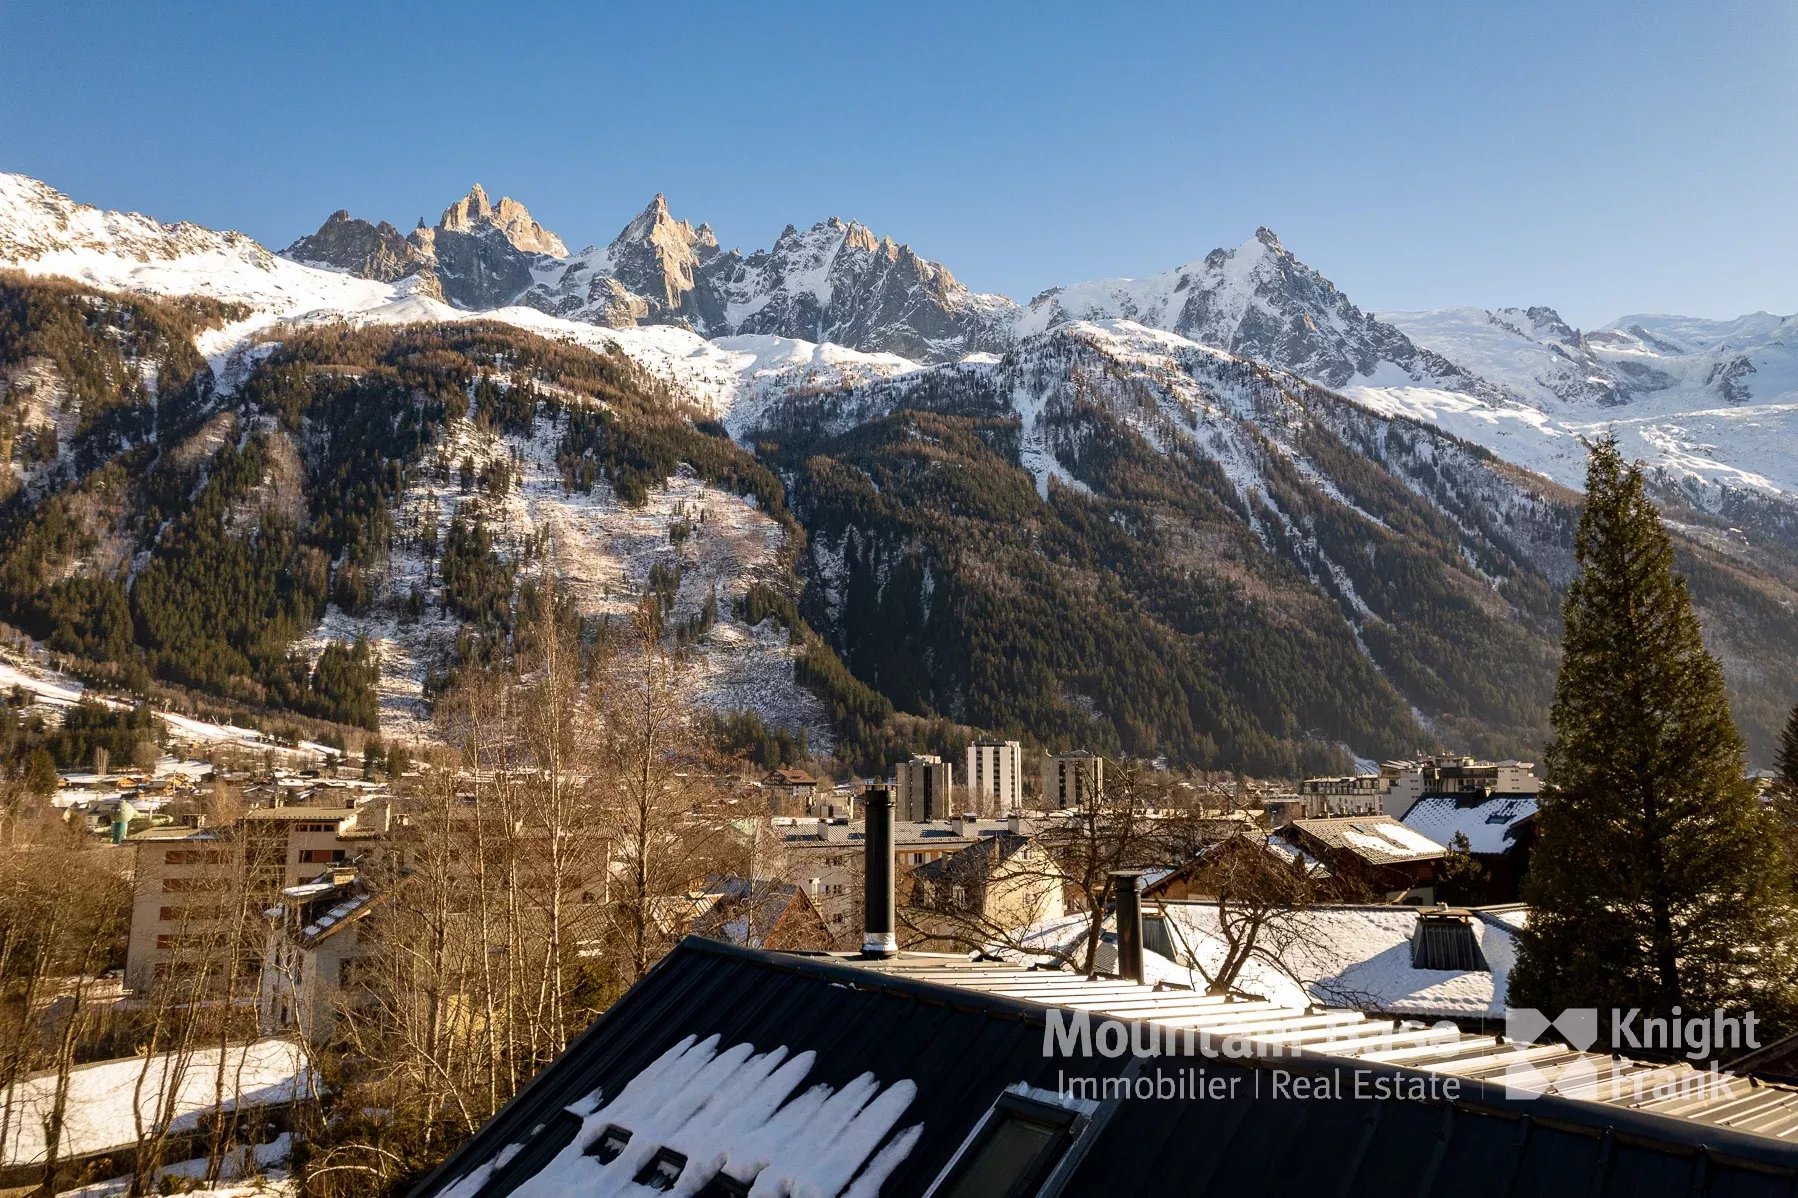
1712	405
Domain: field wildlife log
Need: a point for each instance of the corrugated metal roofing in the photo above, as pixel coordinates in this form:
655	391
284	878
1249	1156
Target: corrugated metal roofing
1279	1032
963	1031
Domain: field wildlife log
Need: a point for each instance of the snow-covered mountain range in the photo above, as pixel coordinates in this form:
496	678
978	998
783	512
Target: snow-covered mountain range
1299	431
1712	404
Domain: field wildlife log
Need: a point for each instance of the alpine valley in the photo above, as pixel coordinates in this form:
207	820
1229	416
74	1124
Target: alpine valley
1220	514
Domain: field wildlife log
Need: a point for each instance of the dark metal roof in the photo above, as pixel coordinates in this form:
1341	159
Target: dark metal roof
963	1031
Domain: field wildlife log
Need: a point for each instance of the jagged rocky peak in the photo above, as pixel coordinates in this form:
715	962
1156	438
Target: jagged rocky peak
473	213
348	243
657	226
1259	301
656	256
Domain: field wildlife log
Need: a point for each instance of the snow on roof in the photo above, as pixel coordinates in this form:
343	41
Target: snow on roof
1377	838
100	1113
1357	956
1488	825
744	1113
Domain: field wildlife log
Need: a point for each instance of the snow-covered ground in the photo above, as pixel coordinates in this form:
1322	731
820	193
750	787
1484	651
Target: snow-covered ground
258	1172
108	1100
52	689
1715	402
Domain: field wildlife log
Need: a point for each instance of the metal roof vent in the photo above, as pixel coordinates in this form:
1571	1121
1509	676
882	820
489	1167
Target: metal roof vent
1444	939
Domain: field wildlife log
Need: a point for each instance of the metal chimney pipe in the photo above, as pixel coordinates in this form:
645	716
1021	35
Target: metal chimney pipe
878	938
1126	884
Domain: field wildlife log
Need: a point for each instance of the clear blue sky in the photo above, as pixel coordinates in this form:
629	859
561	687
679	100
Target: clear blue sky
1603	158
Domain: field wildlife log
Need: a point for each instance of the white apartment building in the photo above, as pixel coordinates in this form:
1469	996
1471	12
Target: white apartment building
189	880
921	788
995	774
1069	779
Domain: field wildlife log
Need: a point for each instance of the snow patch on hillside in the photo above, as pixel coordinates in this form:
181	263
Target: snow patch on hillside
600	552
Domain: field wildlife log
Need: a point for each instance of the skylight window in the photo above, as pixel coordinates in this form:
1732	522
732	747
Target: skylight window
1015	1149
609	1145
663	1170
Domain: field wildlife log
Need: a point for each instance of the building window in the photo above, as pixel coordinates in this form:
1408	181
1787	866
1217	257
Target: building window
610	1144
177	885
193	857
320	856
663	1170
183	914
1015	1147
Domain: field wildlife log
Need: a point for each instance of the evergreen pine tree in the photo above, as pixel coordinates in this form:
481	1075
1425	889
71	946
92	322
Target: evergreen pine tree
1785	765
1784	794
1657	876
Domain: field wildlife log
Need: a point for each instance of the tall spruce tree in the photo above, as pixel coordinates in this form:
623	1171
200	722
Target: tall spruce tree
1785	792
1657	876
1785	765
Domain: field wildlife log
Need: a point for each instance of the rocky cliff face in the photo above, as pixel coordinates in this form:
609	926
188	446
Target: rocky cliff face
370	251
838	281
476	256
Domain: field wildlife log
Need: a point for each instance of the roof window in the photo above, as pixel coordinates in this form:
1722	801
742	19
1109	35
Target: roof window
1020	1147
663	1170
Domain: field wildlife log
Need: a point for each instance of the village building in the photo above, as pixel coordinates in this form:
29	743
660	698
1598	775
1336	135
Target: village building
769	913
1499	832
1001	881
824	858
790	791
1399	784
924	787
1071	779
1374	853
311	955
995	776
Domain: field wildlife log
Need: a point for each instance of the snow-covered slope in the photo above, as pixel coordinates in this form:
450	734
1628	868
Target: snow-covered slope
44	232
1713	404
601	555
1256	301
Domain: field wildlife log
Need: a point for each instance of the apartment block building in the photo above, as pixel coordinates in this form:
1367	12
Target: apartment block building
922	787
994	777
1069	779
191	881
310	955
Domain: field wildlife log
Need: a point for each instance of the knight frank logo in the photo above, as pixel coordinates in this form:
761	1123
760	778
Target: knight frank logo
1526	1027
1541	1063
